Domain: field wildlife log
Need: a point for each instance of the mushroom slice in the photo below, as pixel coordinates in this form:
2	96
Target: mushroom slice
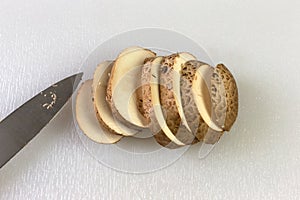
216	96
194	118
170	96
103	111
158	125
123	85
87	119
201	93
145	90
224	95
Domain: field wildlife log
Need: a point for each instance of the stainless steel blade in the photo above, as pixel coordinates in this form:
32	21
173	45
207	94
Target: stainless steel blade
17	129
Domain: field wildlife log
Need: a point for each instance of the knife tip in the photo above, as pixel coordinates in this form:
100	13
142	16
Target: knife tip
79	75
77	79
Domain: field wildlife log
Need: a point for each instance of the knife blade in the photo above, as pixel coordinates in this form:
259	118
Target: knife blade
22	125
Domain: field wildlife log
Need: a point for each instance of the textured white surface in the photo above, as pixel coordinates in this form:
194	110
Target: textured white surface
44	41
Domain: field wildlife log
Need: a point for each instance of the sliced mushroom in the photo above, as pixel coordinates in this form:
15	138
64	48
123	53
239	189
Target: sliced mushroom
201	93
216	97
198	126
123	83
170	97
145	92
182	100
224	95
104	113
87	119
158	125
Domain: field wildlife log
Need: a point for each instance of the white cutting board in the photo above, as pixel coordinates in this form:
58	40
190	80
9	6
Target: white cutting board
42	42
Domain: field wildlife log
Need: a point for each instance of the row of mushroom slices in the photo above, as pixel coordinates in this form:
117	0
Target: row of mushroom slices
182	101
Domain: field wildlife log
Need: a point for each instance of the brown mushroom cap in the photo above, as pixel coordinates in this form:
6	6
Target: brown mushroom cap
144	94
224	95
162	132
198	126
196	123
170	97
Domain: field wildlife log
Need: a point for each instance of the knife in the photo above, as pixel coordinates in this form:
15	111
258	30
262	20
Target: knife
22	125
